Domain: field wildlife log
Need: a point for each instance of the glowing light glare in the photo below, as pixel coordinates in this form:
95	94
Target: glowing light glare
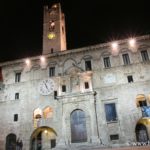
42	59
45	131
27	61
114	45
132	42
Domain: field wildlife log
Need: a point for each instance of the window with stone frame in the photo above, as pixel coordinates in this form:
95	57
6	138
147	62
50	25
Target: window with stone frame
15	117
51	71
16	95
55	94
114	137
107	63
126	59
63	88
88	65
86	85
130	78
144	55
17	76
110	111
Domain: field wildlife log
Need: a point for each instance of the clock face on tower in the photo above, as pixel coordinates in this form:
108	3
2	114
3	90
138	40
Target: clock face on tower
46	87
51	36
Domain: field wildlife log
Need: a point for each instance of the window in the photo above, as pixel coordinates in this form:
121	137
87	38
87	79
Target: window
144	55
51	71
86	84
88	65
16	95
62	29
126	59
63	88
130	79
55	94
110	110
18	77
52	50
15	117
107	62
114	137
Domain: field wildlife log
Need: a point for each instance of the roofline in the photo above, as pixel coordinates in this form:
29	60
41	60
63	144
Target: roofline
97	46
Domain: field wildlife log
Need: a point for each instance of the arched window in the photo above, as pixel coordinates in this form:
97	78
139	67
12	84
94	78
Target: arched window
11	142
141	133
78	126
141	100
48	112
37	113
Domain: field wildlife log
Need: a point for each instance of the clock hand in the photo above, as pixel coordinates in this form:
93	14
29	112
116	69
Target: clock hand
46	85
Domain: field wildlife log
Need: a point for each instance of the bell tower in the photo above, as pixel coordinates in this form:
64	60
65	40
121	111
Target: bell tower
54	32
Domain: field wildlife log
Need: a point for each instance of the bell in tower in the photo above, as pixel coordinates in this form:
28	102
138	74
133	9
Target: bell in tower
54	33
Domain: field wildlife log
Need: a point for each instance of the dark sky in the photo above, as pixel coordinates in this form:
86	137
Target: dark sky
88	22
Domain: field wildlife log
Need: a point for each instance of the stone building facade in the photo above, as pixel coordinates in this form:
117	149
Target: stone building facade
91	95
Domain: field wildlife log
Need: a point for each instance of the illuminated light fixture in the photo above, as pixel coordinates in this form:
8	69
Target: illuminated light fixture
114	45
42	59
45	131
132	42
55	6
27	61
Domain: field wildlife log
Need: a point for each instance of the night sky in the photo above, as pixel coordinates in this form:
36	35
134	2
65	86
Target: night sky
88	22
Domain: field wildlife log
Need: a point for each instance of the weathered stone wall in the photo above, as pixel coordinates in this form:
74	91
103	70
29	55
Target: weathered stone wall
110	84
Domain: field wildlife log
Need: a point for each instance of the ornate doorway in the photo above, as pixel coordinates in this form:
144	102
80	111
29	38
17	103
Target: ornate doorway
78	126
43	138
11	142
141	133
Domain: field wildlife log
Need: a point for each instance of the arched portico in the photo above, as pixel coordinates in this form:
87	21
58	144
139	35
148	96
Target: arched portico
43	138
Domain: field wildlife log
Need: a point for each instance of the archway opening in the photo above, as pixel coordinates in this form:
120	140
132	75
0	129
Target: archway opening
11	142
141	133
43	138
78	126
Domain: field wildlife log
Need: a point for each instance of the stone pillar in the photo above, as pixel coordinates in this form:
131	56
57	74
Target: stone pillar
61	139
94	124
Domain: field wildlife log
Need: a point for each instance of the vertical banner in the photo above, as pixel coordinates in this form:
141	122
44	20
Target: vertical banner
146	111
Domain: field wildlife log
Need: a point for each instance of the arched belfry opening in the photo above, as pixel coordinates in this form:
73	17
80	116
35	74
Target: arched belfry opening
43	138
78	126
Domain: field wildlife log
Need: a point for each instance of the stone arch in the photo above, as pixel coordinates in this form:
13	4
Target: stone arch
78	126
43	138
141	130
67	125
11	141
68	63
